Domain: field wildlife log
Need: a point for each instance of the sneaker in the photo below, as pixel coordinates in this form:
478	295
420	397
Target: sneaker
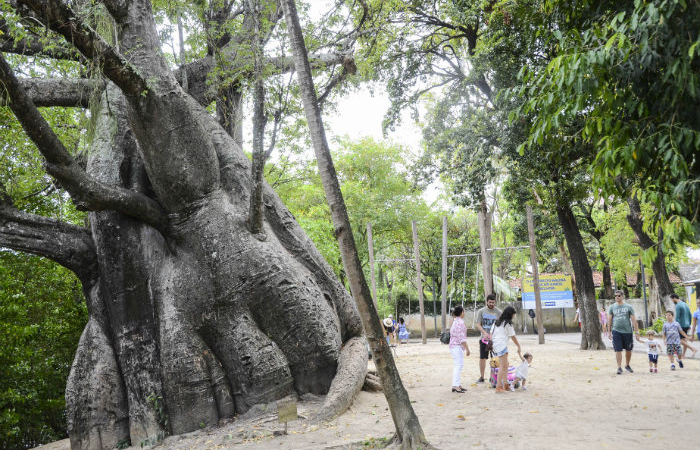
651	370
673	367
512	389
480	380
524	388
680	363
619	370
629	369
656	370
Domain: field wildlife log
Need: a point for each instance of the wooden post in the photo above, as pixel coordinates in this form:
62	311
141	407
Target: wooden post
370	244
443	307
535	273
419	282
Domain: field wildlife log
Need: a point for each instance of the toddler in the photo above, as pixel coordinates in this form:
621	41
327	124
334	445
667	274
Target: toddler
521	371
672	339
653	347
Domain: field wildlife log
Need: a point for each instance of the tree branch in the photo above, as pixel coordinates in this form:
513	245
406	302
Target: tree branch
88	193
61	19
56	91
31	45
69	245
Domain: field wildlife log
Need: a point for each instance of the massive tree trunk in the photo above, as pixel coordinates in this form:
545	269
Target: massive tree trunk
191	319
409	434
665	288
484	221
585	289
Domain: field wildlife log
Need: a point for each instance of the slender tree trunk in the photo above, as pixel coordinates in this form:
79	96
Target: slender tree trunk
409	433
634	218
607	278
255	215
484	219
585	289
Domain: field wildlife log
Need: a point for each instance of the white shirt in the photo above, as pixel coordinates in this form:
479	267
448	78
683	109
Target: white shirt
500	336
521	371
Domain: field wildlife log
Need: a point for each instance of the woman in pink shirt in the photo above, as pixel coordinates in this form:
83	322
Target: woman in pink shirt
458	345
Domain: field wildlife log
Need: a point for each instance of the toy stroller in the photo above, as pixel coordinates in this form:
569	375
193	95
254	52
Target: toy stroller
494	373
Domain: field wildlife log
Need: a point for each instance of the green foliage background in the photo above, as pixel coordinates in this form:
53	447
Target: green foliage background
42	314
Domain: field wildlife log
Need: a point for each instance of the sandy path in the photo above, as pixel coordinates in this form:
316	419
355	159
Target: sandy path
575	401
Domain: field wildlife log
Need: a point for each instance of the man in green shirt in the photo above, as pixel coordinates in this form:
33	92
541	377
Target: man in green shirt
621	319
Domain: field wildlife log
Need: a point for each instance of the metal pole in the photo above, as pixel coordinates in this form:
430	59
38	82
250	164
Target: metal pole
419	282
370	244
443	306
644	293
535	273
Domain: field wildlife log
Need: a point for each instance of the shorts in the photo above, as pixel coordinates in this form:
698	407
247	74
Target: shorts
622	341
673	348
654	359
483	350
698	335
686	330
502	352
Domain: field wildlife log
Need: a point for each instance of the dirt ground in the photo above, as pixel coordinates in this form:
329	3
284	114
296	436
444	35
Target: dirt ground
575	401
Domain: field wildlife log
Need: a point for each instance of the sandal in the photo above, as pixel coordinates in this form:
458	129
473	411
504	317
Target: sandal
459	391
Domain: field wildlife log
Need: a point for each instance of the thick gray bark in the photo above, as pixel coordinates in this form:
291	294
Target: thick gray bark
664	286
409	433
57	91
585	289
197	320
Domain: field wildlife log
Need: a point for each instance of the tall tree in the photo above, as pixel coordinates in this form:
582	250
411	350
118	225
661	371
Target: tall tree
409	433
179	291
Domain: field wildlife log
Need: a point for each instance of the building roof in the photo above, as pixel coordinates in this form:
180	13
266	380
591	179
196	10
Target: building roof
690	272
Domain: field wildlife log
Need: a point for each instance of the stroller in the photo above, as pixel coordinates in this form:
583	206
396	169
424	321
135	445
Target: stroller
494	373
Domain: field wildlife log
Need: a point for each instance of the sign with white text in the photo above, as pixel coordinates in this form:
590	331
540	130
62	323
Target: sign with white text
555	291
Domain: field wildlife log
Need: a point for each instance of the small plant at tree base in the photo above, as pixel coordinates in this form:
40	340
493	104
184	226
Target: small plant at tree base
156	401
124	443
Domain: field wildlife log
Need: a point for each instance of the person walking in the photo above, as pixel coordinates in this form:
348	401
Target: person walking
458	345
501	330
485	317
683	317
621	319
673	333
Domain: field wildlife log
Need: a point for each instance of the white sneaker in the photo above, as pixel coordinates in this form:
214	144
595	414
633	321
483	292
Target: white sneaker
510	386
524	388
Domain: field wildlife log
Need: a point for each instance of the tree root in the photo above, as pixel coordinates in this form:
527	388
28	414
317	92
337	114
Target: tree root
348	380
410	441
372	383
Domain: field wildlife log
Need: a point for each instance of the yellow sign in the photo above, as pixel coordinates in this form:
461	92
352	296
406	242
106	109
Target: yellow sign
555	291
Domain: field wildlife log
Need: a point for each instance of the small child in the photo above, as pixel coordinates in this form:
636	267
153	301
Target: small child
653	347
521	371
672	339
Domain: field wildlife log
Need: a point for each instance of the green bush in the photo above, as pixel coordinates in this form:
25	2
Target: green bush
42	314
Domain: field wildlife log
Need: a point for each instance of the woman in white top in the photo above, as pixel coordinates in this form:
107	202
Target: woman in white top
502	329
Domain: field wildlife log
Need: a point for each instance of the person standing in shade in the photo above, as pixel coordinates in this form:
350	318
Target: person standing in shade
485	317
683	317
621	319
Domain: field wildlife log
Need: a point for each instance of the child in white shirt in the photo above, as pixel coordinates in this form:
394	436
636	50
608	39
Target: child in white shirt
653	347
521	371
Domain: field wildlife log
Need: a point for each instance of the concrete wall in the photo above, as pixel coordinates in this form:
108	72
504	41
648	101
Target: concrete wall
552	318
